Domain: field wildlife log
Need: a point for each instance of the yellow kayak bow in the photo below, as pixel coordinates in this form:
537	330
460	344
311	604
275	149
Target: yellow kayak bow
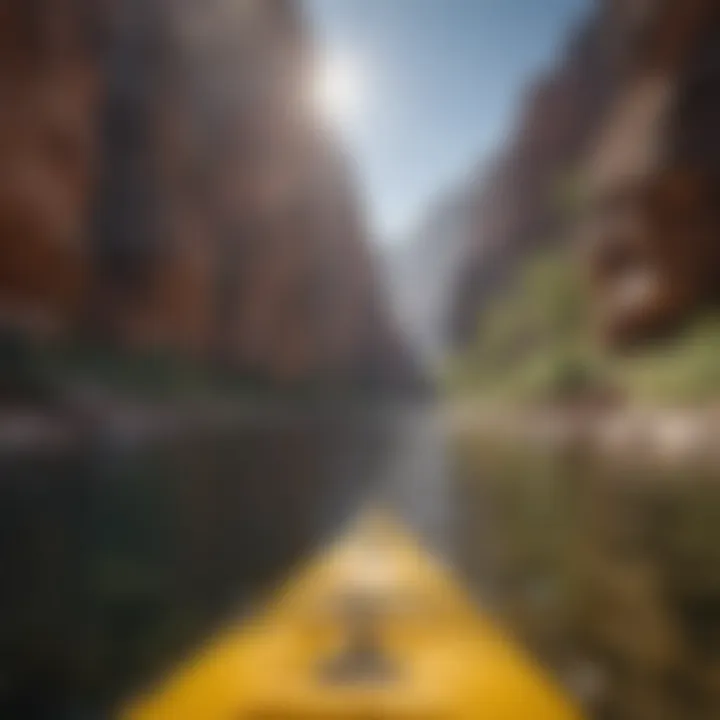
374	629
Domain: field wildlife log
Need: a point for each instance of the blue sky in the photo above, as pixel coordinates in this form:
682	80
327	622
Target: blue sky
441	80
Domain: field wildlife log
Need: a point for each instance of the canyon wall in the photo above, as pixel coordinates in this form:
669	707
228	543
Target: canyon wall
614	155
653	176
50	88
171	189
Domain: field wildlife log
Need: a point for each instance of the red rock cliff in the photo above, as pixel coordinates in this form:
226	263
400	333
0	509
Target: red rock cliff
628	116
49	93
169	187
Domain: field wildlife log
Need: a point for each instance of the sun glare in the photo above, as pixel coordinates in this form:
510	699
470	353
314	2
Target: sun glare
338	89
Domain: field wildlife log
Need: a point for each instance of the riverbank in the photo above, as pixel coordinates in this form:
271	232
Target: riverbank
655	436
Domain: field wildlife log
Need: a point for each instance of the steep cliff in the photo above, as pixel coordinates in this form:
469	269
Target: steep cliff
621	128
517	201
49	94
654	179
239	233
522	201
186	198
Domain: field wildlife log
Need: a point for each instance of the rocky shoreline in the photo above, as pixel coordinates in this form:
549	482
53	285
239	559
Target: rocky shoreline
667	436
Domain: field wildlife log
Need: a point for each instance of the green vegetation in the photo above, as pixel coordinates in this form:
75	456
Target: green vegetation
685	371
535	343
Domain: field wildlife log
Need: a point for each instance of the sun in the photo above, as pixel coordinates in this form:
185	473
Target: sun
337	89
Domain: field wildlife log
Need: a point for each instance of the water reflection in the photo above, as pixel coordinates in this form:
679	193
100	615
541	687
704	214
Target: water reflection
120	554
120	550
608	572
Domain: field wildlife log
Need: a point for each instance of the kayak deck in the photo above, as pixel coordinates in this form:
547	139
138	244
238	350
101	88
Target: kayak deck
374	628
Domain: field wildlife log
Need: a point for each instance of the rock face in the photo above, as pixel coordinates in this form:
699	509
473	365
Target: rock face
621	133
519	202
655	177
523	201
49	90
180	192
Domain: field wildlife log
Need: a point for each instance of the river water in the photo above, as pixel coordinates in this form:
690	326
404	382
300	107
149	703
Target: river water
414	483
123	549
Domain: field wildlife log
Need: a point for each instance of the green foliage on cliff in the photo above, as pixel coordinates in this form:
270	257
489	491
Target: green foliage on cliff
683	371
534	343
